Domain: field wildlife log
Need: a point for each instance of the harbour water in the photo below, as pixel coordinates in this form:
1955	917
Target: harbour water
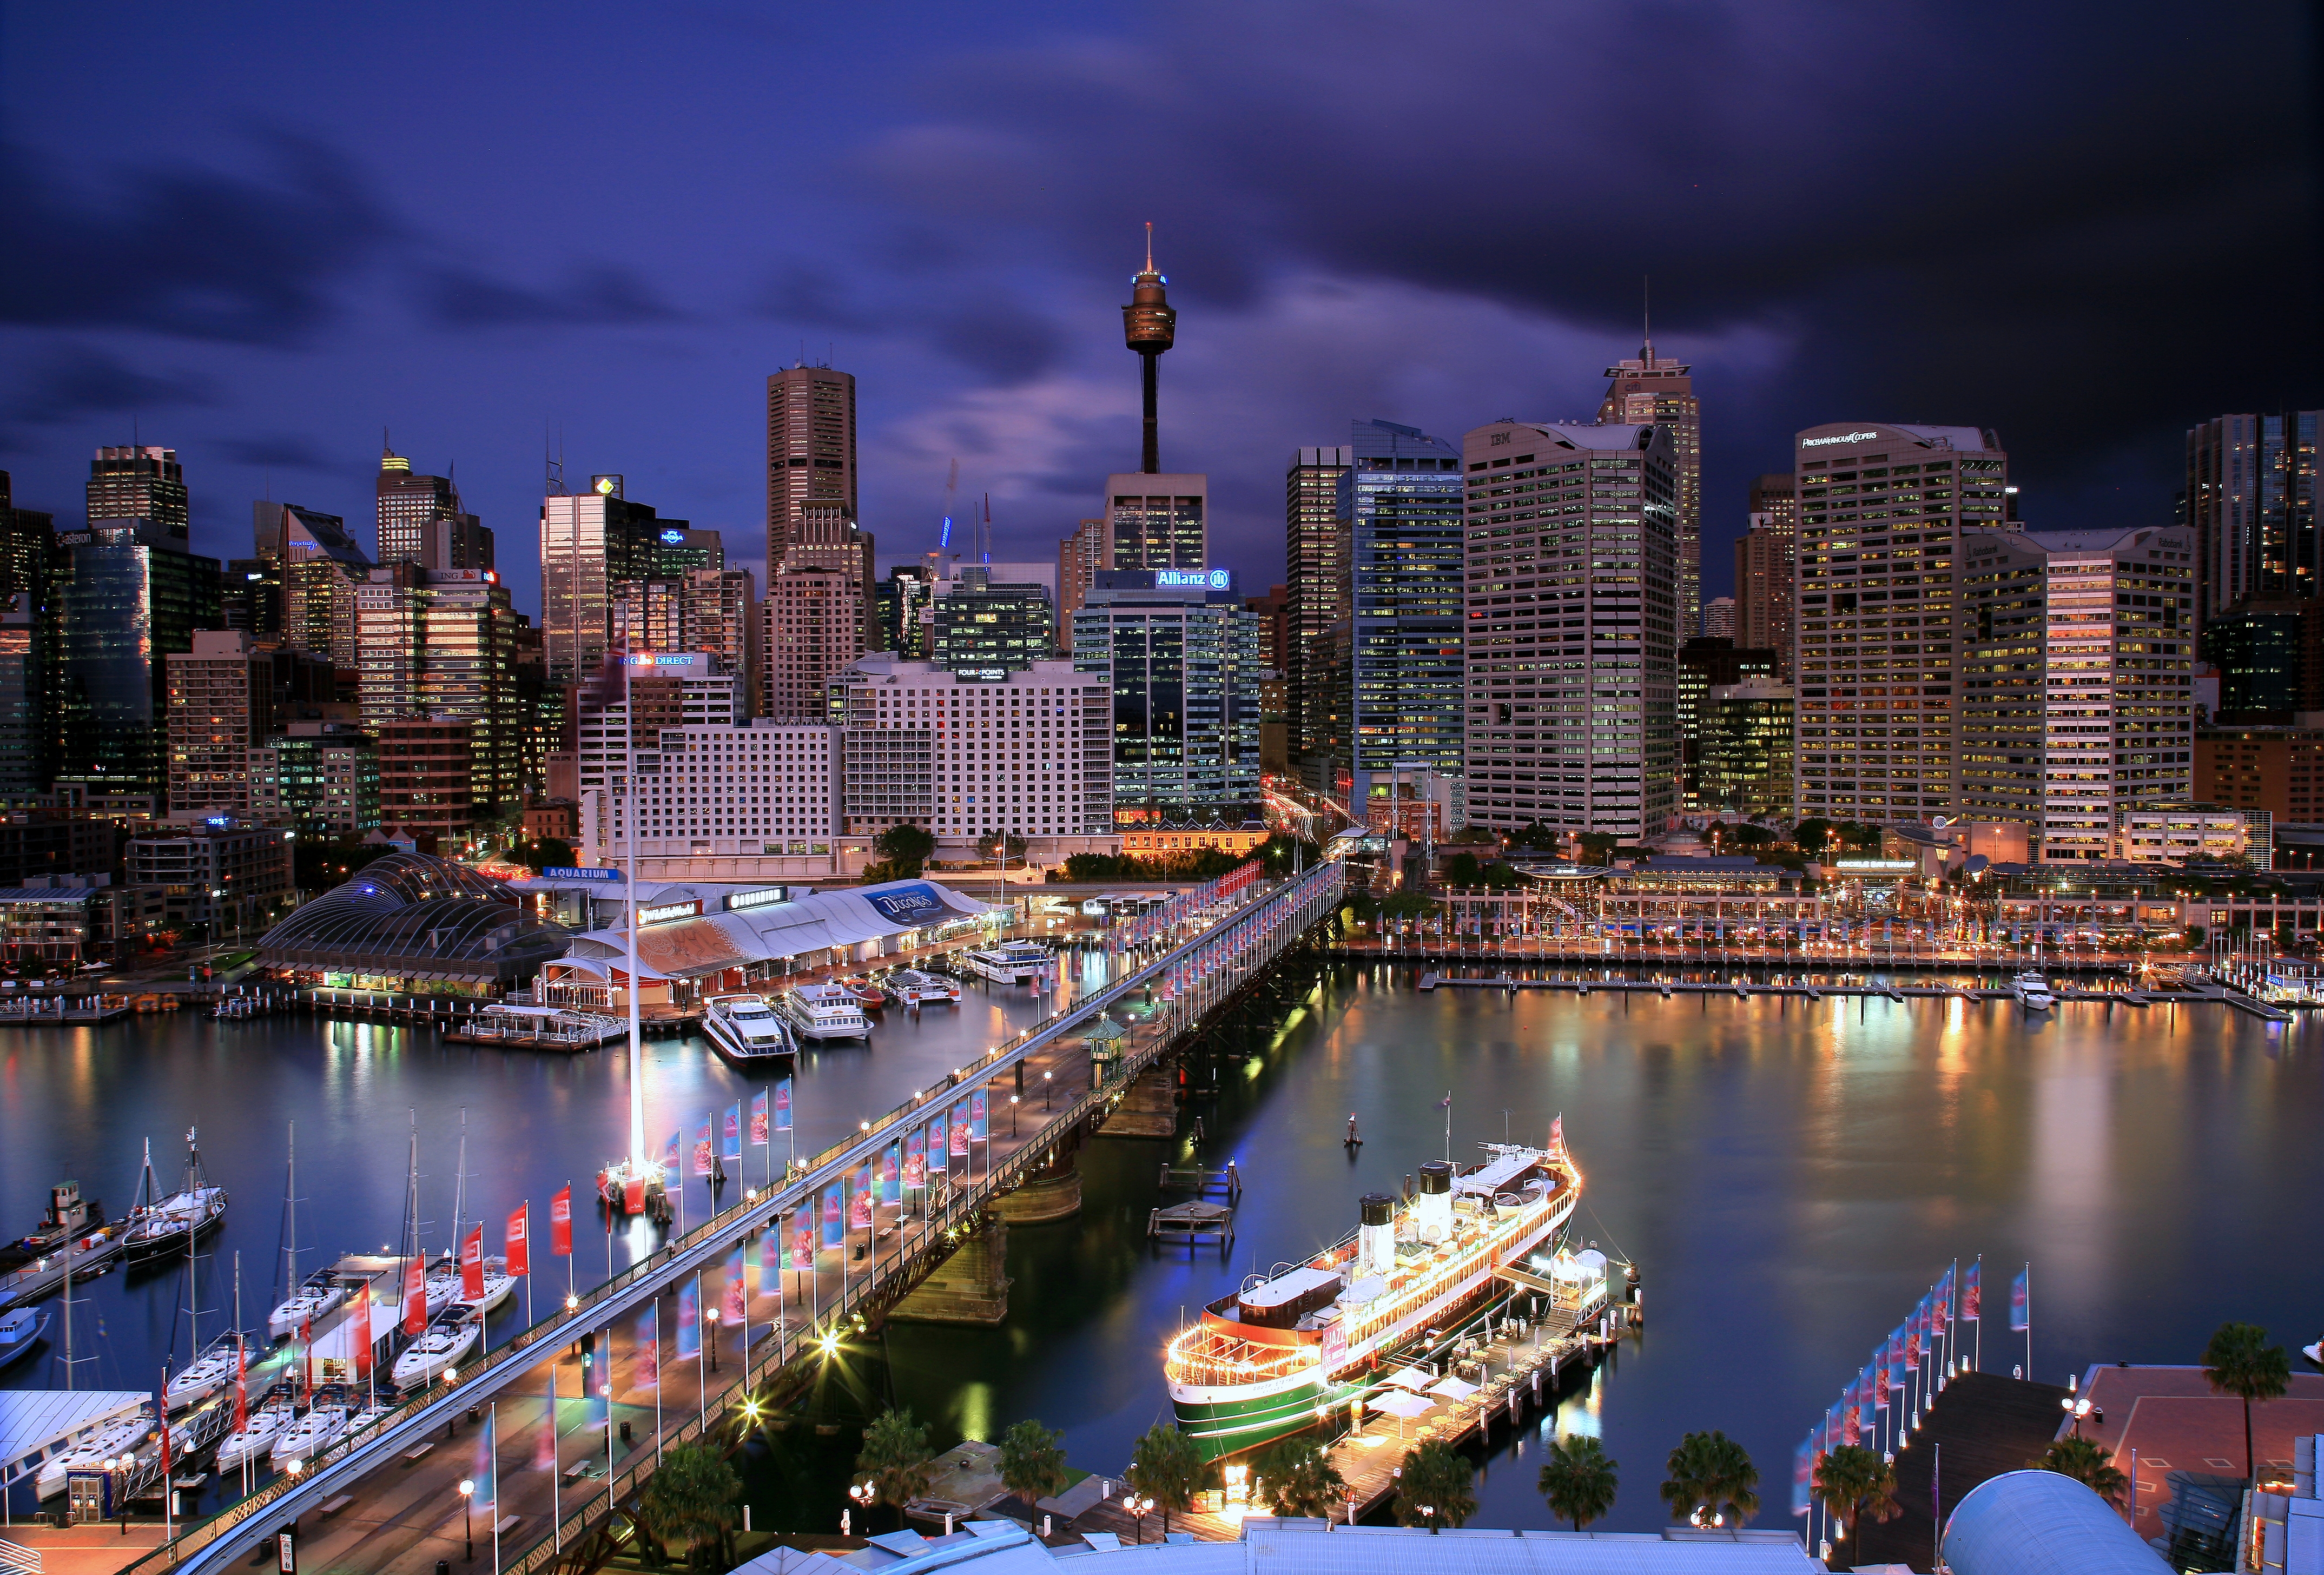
1788	1176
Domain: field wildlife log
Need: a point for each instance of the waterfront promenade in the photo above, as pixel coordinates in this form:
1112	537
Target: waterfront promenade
410	1471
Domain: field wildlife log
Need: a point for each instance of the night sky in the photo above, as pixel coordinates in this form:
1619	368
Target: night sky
262	233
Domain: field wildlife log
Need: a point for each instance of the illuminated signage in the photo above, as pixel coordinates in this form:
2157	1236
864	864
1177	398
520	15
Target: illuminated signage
743	899
907	904
673	538
1190	579
660	659
1843	438
669	911
1878	866
557	873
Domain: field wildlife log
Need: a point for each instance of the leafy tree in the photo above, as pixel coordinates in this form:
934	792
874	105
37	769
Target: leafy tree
1811	835
1855	1484
896	1458
1748	837
1434	1477
1535	837
1165	1466
1405	903
2239	1361
1578	1480
547	853
1280	852
1710	1472
691	1495
1299	1478
1474	835
1462	872
2086	1461
1032	1461
1597	847
995	844
904	848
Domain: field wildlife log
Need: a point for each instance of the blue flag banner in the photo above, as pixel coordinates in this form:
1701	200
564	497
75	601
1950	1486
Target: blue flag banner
2021	1300
939	1145
690	1319
783	1105
734	1133
1804	1472
976	1117
891	1174
670	1152
835	1219
758	1119
648	1374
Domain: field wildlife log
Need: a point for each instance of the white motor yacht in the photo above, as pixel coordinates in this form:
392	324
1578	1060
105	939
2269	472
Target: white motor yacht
1011	963
745	1030
910	987
447	1341
320	1294
826	1011
2033	991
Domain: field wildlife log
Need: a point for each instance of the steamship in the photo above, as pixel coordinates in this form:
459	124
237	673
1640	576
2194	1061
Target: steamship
1281	1353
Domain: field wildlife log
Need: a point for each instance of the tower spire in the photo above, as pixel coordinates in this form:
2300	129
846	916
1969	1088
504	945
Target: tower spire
1149	326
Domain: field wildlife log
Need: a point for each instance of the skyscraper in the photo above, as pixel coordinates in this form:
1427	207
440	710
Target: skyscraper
1158	521
438	643
1574	622
420	519
1719	617
1404	499
138	484
818	613
2250	499
810	450
27	537
1657	389
992	621
127	594
318	566
589	543
2077	693
1184	656
1079	558
1316	555
1766	560
1882	510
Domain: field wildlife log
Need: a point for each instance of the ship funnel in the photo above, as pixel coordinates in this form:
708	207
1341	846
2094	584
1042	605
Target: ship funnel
1432	1211
1375	1241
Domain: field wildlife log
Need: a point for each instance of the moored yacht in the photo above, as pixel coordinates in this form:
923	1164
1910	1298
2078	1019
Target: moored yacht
446	1340
1009	961
115	1438
320	1294
910	987
206	1375
193	1209
325	1420
2033	991
826	1011
745	1030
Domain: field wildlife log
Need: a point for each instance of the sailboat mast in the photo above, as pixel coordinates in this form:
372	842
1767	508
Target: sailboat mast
630	879
291	1210
460	1191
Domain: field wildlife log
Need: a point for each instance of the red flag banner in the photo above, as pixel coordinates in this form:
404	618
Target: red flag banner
240	1385
472	1265
561	1223
519	1249
359	1330
415	1299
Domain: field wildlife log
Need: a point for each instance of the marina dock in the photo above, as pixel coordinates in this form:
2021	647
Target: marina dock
1745	989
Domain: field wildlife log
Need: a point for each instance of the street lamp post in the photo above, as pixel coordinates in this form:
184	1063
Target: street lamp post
710	1319
864	1494
1012	1115
467	1525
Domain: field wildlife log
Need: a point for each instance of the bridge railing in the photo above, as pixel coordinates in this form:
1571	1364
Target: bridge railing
334	1469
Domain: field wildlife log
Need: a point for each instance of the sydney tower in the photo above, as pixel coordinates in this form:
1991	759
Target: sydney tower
1149	326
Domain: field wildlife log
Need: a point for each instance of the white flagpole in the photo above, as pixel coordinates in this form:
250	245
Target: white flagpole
495	1464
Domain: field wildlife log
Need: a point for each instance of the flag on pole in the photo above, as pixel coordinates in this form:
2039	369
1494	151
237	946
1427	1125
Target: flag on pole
783	1105
758	1119
472	1265
834	1219
161	1410
520	1247
1804	1472
242	1383
1866	1421
701	1146
561	1223
1970	1310
486	1448
977	1130
544	1448
1556	1130
1880	1376
690	1319
803	1238
2021	1314
859	1218
358	1331
939	1144
959	1122
891	1173
915	1158
649	1364
670	1152
1896	1358
731	1145
415	1298
1847	1423
737	1286
1912	1337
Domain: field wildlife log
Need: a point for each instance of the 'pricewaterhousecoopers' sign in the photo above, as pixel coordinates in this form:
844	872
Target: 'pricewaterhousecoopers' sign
907	904
1843	438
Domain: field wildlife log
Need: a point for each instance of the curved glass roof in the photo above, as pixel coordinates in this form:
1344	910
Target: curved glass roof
417	918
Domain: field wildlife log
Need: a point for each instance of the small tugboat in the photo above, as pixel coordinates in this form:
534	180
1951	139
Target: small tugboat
910	987
275	1411
70	1216
164	1224
20	1332
449	1337
744	1031
867	993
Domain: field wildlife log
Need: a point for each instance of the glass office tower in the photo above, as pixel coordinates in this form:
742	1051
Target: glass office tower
1184	659
1406	499
127	594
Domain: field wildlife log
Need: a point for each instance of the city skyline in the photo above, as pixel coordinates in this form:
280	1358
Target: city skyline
269	352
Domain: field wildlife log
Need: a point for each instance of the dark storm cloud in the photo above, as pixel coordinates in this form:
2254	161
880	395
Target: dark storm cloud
282	451
78	380
600	295
979	326
186	251
2067	221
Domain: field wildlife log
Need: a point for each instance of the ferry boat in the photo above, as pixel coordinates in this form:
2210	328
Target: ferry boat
206	1375
196	1208
2033	991
826	1011
908	986
744	1029
257	1433
20	1332
1010	962
449	1337
1279	1354
320	1294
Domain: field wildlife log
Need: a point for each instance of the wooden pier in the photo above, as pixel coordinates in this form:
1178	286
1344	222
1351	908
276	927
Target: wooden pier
1203	1181
1192	1223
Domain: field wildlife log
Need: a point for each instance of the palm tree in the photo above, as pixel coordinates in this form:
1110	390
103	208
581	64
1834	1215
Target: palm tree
1578	1481
1299	1478
1432	1489
895	1457
2086	1461
1165	1466
1032	1461
1855	1485
691	1495
1711	1475
2240	1362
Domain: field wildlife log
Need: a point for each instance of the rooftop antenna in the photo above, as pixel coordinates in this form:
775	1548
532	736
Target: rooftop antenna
987	543
553	454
